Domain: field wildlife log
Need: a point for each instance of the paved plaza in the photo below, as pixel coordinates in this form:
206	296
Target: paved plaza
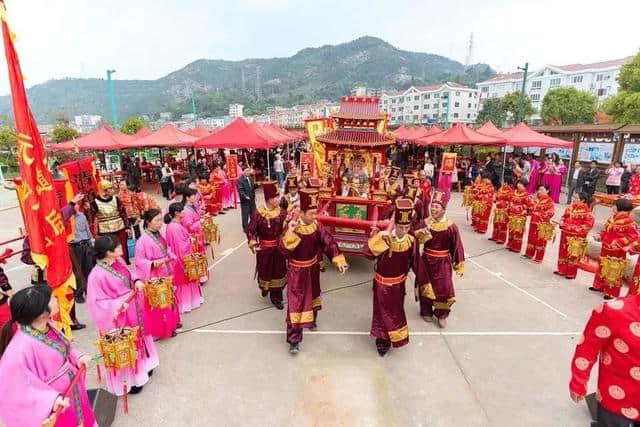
503	359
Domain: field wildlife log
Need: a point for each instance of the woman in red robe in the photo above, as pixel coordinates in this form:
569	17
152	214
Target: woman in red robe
575	224
540	228
518	209
216	183
501	214
483	201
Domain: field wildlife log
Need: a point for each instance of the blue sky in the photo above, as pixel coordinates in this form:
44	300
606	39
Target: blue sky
147	39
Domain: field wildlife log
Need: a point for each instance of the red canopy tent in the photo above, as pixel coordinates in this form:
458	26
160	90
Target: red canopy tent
522	136
489	129
103	138
142	133
238	134
286	132
276	135
167	136
400	132
460	134
199	131
433	130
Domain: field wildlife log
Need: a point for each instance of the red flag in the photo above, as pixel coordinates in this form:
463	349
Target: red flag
42	218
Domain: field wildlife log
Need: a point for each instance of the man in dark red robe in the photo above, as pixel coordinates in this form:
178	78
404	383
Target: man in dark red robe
302	241
394	253
443	252
265	228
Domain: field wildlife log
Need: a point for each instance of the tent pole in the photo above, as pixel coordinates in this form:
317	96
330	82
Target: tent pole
504	162
268	166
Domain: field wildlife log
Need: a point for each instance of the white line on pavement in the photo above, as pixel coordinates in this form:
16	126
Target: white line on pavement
417	333
226	253
513	285
19	267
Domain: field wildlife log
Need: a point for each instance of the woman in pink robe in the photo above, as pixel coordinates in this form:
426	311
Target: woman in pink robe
178	238
547	169
37	366
227	190
534	177
558	171
115	299
153	261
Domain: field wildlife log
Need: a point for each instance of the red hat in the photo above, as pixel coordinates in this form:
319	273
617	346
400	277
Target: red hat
314	182
440	197
403	211
270	189
292	182
308	199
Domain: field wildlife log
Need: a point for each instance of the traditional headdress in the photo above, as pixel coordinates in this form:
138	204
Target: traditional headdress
395	172
308	199
441	197
292	182
104	186
270	189
403	211
314	183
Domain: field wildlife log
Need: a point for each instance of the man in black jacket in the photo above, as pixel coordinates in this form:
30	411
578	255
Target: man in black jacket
247	192
591	178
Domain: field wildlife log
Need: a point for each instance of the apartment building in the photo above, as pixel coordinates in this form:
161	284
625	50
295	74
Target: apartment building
441	103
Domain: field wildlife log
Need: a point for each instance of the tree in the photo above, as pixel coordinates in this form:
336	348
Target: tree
625	106
63	133
569	106
8	148
492	110
511	103
132	125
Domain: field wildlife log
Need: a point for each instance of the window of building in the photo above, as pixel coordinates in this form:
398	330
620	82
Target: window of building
416	98
576	79
470	94
458	93
416	117
436	95
469	105
401	99
393	110
455	115
536	84
436	105
484	89
535	97
425	116
445	95
400	108
436	115
599	77
426	106
393	101
416	107
554	82
427	96
457	104
602	92
444	104
400	118
468	115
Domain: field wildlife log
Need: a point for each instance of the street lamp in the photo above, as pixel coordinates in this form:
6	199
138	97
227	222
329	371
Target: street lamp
520	116
112	100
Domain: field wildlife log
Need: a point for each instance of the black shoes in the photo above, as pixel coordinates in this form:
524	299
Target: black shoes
265	293
80	299
278	305
294	349
78	326
135	389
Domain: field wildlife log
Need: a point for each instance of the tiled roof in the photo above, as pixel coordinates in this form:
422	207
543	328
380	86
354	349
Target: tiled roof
594	66
362	137
504	77
359	107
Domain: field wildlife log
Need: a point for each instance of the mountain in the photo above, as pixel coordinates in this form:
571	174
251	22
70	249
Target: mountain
326	72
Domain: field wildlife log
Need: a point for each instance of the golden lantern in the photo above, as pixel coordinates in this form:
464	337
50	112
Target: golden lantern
118	348
159	292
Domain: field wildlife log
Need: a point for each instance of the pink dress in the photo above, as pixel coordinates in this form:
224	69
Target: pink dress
108	287
546	173
35	368
533	178
227	191
152	247
188	291
556	182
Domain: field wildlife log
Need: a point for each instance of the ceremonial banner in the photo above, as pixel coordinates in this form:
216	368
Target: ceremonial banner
314	128
448	162
81	175
39	203
307	163
232	167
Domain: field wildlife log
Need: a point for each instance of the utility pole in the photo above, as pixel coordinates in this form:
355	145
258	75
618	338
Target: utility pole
520	116
112	100
193	106
446	120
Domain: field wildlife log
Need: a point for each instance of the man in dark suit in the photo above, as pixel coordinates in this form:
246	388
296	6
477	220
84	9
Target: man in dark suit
577	180
591	178
247	192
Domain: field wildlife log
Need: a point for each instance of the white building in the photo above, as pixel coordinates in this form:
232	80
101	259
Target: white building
294	117
441	103
166	116
236	110
215	122
86	123
599	78
366	91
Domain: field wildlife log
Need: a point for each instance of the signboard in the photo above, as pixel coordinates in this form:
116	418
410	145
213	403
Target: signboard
564	153
448	162
232	167
631	154
307	163
353	211
601	152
